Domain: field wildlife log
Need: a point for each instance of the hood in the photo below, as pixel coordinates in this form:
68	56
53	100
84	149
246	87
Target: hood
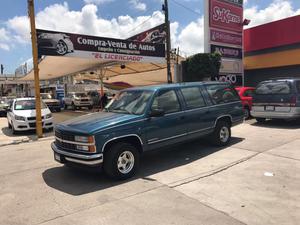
94	122
31	113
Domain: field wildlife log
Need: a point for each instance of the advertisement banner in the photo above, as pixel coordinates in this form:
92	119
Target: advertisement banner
84	46
234	79
227	52
154	35
231	66
226	16
226	38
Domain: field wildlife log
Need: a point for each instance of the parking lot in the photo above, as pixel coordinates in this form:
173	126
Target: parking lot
255	180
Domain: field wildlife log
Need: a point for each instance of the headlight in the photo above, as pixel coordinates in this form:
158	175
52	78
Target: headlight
20	118
84	139
48	116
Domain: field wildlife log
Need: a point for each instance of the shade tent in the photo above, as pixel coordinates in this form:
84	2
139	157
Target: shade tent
51	67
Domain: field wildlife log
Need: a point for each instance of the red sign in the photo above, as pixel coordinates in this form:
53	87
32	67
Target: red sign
226	16
226	38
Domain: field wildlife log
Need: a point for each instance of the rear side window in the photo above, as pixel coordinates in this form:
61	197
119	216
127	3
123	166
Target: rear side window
193	97
222	93
276	87
167	101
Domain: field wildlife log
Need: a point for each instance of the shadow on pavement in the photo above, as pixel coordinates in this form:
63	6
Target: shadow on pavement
281	124
29	134
75	181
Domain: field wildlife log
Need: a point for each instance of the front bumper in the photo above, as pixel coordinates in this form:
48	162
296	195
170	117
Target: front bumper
31	125
63	157
83	104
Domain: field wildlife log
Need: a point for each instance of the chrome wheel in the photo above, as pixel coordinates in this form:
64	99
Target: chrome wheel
224	134
61	48
125	162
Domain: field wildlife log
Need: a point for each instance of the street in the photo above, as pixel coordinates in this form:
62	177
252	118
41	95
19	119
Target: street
253	181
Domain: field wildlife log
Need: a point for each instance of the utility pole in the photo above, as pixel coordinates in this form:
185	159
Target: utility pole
168	40
39	127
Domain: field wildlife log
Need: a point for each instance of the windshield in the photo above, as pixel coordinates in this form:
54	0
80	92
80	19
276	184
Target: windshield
27	105
80	95
278	87
46	96
130	102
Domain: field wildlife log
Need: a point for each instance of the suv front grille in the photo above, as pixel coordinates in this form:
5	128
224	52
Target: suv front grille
63	136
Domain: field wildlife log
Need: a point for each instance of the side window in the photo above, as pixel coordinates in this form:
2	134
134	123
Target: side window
167	101
193	97
222	93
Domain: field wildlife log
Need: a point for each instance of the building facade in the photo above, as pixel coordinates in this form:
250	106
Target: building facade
272	50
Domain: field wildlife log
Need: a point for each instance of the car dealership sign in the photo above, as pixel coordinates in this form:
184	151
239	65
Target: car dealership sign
84	46
224	34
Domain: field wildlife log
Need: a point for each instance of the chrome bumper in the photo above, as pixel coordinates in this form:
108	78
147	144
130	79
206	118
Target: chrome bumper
294	113
94	159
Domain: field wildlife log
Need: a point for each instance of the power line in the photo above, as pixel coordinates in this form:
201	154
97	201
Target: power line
185	7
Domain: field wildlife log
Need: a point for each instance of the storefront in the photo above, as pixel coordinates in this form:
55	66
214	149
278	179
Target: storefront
272	50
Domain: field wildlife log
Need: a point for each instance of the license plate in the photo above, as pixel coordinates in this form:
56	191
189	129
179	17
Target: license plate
57	157
270	108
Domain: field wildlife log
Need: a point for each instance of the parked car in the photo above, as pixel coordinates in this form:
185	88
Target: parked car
246	94
78	100
55	43
52	103
277	99
4	105
147	118
22	116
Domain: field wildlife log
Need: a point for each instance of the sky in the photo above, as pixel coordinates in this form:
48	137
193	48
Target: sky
119	19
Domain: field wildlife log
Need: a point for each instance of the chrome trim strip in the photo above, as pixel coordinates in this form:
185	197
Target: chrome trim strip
196	131
80	156
94	162
210	106
115	138
165	139
75	143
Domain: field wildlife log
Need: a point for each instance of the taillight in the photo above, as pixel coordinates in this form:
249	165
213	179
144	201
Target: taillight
293	100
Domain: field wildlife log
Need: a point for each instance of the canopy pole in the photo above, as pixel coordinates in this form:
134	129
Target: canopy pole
39	129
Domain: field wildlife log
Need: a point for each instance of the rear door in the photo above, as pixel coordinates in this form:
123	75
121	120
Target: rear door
274	96
196	111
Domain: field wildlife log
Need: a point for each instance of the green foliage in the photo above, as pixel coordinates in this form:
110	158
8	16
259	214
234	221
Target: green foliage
201	66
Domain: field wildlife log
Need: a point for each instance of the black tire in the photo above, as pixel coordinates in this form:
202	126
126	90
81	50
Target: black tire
65	106
111	157
247	113
9	125
58	110
260	120
13	129
90	107
216	136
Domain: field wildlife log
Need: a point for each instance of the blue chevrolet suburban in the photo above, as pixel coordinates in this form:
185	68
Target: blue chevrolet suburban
146	118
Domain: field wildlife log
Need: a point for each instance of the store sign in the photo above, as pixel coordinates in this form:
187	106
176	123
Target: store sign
84	46
231	66
236	2
234	79
227	52
225	37
226	16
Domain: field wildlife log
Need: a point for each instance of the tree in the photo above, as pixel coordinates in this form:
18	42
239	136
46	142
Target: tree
201	66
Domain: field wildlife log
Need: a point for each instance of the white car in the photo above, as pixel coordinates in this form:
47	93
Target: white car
21	115
78	100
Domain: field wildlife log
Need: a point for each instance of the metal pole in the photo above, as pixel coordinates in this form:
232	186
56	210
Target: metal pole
39	129
168	44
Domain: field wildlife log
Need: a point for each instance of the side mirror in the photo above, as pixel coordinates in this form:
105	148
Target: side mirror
157	113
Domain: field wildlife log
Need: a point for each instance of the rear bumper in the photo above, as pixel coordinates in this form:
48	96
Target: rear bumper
62	156
294	113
